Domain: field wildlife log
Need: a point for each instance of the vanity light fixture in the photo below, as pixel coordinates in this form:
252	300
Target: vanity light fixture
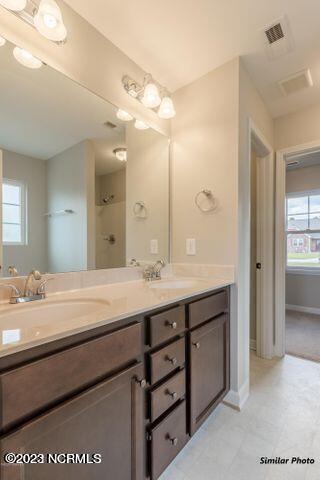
121	154
26	58
151	94
140	125
124	116
49	22
14	5
43	15
2	41
166	109
151	97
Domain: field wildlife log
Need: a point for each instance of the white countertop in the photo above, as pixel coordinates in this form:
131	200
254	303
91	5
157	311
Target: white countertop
24	326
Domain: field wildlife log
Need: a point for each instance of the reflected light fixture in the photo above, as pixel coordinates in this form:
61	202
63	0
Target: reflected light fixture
14	5
2	41
124	116
26	58
166	109
121	154
151	97
140	125
48	21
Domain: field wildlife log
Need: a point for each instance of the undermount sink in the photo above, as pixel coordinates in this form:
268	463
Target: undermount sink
43	312
175	284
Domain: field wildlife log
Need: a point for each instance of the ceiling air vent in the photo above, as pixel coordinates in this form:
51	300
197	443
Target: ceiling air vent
274	33
278	38
296	82
110	125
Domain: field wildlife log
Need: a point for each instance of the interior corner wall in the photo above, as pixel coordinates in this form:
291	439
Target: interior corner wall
300	128
87	57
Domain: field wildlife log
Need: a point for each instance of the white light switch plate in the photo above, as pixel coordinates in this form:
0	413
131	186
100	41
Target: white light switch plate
190	246
154	248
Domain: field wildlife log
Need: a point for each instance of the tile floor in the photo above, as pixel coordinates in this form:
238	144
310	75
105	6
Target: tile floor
281	418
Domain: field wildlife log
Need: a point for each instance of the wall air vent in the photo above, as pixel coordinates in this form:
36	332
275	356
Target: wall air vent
296	82
110	125
274	33
278	38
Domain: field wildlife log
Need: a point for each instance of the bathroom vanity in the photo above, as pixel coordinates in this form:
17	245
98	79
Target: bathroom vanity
133	391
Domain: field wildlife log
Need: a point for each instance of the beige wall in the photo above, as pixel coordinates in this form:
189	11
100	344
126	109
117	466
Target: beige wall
298	128
111	184
87	57
32	172
147	180
204	151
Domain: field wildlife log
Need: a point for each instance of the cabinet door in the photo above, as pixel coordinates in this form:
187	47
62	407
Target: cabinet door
107	419
209	368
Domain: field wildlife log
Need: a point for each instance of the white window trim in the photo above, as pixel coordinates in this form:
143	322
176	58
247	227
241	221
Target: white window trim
301	270
23	203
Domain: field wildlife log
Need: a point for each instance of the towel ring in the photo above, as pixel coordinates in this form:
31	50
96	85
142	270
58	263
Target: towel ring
140	210
209	195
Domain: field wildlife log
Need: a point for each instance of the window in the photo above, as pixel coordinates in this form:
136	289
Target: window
303	230
13	213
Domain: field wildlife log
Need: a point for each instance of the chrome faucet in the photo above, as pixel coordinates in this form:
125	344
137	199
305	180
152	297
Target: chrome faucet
153	272
33	275
29	294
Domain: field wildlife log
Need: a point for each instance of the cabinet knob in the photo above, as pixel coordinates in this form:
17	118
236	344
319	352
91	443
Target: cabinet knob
173	440
172	360
173	395
197	345
172	325
142	382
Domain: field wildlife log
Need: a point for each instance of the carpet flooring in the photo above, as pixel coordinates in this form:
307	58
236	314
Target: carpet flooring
303	335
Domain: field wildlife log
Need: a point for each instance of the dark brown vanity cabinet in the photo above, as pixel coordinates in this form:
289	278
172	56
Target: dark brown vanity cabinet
132	392
208	364
107	419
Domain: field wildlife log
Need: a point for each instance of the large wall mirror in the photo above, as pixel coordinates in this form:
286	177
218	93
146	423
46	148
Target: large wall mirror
81	189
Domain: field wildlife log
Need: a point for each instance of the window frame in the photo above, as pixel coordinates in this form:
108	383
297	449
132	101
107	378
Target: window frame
296	269
23	211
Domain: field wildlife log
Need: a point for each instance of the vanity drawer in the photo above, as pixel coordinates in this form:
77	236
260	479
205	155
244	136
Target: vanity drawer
207	308
30	388
166	360
166	325
164	396
167	439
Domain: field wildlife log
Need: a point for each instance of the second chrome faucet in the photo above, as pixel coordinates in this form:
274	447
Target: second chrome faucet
30	293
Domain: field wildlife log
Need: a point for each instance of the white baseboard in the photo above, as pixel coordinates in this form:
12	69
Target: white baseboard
238	399
301	308
253	344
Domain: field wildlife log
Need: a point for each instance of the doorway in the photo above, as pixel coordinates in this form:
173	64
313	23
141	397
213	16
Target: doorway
297	252
262	245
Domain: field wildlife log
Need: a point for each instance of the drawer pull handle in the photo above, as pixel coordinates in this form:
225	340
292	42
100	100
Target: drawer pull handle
172	325
173	440
142	382
172	360
197	345
173	395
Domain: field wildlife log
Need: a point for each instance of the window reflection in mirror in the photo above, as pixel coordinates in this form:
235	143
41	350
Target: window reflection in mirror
81	189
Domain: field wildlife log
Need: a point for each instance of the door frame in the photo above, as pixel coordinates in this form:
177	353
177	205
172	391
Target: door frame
265	295
280	240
